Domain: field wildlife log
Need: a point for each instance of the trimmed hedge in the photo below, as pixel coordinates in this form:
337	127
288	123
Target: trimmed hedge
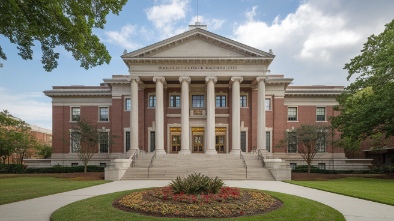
17	168
374	170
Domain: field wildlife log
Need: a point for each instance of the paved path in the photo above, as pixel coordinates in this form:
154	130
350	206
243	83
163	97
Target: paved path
41	208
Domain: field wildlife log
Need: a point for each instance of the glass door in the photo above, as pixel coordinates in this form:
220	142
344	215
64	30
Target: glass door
220	144
175	143
198	146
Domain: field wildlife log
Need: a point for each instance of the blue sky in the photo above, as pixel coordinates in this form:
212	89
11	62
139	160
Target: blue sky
312	40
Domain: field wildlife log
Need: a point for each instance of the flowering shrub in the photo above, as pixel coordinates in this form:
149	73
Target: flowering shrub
196	184
228	202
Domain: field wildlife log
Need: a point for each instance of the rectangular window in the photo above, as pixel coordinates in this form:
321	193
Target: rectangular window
243	101
321	166
292	114
75	113
321	142
220	100
74	164
291	142
127	141
293	166
175	101
103	142
152	100
75	138
104	113
267	104
320	114
127	104
268	140
197	100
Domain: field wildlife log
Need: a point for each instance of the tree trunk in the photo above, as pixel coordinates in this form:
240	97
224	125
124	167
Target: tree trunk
309	167
85	170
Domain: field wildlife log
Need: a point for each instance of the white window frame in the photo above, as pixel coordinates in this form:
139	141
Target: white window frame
125	103
71	140
240	103
71	113
99	114
169	100
269	130
99	145
225	97
296	120
325	115
198	94
270	104
149	96
296	148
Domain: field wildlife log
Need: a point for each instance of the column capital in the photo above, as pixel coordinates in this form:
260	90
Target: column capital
258	79
133	78
214	79
157	79
234	79
185	78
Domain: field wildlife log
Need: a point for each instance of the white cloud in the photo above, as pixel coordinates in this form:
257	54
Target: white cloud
123	37
28	107
313	43
166	15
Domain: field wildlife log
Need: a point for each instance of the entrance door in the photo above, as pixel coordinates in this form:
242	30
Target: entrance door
152	141
243	141
198	146
220	143
175	143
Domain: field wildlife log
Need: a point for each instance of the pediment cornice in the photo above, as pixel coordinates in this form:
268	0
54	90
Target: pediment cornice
244	50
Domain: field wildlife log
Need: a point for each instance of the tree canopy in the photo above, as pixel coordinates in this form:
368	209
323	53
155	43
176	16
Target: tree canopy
66	23
367	106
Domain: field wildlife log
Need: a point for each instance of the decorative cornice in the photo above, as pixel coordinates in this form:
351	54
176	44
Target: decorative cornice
78	92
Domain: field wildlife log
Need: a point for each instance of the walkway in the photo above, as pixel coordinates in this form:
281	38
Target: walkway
40	209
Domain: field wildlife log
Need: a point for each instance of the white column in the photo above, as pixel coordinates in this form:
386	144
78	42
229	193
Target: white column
210	127
261	113
159	113
236	116
185	148
134	112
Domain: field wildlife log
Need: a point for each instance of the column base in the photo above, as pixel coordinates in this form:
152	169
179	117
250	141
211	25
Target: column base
211	151
235	151
160	152
182	151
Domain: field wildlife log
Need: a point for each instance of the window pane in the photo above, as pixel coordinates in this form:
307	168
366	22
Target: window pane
292	114
103	113
175	101
76	113
267	104
103	142
321	142
221	101
291	142
152	101
198	101
75	142
243	101
127	105
320	114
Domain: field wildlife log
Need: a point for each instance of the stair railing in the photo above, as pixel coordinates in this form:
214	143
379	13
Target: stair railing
134	157
151	162
260	156
243	160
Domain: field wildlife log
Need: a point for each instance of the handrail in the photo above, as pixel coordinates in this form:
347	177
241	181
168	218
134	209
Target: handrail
245	166
134	157
260	156
151	162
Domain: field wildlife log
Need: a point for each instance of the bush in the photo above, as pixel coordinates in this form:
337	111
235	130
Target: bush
196	184
17	168
11	168
304	169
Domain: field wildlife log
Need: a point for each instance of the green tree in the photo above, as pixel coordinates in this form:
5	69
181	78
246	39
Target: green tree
85	141
307	140
7	134
367	106
44	150
350	147
66	23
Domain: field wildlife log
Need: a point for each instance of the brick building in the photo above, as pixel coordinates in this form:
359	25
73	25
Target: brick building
194	93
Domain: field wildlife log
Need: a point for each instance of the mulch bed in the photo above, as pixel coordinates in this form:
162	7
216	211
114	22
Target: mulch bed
227	209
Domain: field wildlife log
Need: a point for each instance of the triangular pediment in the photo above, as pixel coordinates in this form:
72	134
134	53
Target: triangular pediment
198	43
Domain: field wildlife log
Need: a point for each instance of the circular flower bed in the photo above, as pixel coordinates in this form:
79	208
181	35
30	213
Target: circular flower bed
228	202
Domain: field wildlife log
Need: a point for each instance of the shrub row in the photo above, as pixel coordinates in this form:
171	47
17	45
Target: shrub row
374	170
17	168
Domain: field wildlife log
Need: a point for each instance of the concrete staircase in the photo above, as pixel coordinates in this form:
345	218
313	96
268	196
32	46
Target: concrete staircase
224	166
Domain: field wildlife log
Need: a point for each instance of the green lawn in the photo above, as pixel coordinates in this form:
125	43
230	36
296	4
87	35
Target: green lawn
100	208
22	188
377	190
